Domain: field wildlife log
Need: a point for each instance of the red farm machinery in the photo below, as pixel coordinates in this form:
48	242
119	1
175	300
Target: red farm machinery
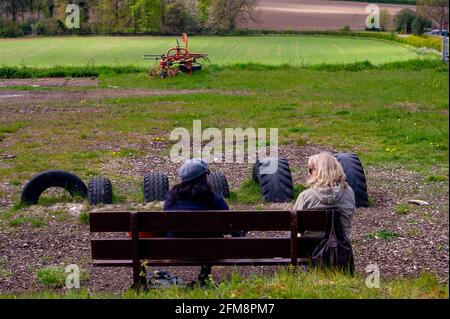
177	60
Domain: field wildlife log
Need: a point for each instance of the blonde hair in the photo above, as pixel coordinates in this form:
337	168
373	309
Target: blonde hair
329	171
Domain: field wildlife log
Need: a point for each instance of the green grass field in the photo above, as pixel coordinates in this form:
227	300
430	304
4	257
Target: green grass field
293	50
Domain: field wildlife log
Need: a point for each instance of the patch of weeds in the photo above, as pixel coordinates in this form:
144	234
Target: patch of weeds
47	258
13	210
5	273
302	140
371	201
413	232
402	209
128	152
60	215
65	198
35	222
10	128
300	128
51	276
18	221
55	276
248	194
436	178
343	112
381	234
16	182
118	198
91	173
84	217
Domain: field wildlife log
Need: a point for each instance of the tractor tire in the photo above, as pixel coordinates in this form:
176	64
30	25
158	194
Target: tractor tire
255	172
45	180
277	187
100	191
219	184
355	177
156	186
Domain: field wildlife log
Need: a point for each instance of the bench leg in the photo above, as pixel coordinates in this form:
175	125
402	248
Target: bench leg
139	278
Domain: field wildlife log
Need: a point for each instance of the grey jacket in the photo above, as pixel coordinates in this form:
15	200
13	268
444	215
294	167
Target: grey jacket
340	197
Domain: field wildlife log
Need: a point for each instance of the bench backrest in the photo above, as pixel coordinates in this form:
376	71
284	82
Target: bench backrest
203	249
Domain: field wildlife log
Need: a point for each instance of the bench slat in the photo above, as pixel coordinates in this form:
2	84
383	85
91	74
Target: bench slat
199	262
202	248
201	221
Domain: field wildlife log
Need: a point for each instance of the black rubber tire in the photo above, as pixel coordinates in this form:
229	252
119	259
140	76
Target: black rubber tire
219	184
100	191
255	172
355	177
45	180
277	187
156	186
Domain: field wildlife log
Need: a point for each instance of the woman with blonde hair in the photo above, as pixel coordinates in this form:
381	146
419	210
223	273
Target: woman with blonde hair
328	190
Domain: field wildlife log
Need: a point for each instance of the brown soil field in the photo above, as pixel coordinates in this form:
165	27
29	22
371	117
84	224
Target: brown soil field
313	15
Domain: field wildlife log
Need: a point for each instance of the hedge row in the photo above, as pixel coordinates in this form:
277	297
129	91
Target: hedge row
9	72
21	72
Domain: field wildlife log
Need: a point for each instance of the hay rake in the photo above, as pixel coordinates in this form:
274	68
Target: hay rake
177	60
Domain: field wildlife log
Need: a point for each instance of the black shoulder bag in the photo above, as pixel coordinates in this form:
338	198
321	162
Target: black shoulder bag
333	252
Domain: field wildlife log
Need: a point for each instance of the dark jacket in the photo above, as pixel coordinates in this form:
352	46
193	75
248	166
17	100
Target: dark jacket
183	204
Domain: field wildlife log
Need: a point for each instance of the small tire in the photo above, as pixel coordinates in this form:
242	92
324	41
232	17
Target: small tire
42	181
277	186
156	186
355	177
100	191
219	184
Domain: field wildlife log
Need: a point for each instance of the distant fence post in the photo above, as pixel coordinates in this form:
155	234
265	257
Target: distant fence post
445	49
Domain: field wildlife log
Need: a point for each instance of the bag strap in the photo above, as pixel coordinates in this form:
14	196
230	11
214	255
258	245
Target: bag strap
330	229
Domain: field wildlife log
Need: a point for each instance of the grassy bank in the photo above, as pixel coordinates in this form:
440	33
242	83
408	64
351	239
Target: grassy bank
283	285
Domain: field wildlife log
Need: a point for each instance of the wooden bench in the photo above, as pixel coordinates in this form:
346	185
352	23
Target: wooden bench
129	252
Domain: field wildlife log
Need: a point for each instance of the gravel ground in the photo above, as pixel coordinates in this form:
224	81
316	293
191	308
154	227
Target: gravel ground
421	242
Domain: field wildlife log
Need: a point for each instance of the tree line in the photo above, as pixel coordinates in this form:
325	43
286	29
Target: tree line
47	17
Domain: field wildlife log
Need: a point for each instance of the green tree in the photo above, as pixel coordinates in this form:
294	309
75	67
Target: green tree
147	15
434	10
226	14
404	19
203	8
419	24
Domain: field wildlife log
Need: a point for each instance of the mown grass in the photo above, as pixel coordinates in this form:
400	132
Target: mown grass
284	284
267	49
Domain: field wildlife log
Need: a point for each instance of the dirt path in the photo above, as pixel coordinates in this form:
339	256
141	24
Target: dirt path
314	15
50	82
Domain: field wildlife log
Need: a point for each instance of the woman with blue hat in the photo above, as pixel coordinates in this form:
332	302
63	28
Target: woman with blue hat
194	193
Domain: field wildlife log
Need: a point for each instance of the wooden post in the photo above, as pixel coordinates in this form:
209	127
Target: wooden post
294	238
